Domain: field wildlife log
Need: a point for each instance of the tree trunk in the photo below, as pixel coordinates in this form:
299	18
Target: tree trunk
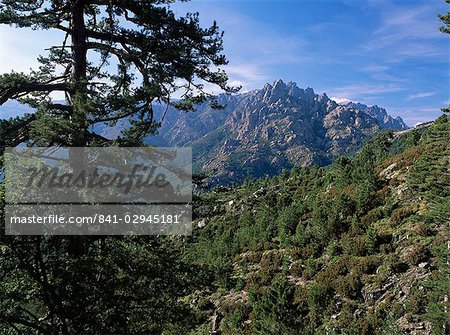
79	77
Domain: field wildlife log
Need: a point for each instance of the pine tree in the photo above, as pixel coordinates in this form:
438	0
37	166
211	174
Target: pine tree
445	20
117	58
144	54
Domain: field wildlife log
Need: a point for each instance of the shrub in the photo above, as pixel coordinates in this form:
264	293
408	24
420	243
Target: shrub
270	264
416	254
371	240
396	265
355	246
334	248
385	248
415	302
367	264
315	297
350	285
373	216
311	268
421	229
399	214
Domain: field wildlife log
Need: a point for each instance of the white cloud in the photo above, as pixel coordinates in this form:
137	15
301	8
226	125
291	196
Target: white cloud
341	100
420	95
249	76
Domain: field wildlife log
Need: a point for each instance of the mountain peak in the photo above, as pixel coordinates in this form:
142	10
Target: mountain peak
291	84
267	86
380	114
271	93
279	83
278	87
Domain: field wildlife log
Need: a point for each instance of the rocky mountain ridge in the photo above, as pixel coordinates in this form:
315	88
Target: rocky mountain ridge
266	131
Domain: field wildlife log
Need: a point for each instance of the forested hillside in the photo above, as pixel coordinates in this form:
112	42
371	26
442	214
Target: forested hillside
358	247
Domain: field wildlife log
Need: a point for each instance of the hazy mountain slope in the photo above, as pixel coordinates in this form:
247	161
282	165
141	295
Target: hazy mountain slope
12	109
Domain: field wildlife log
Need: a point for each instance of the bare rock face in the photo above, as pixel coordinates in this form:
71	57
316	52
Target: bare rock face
266	131
380	114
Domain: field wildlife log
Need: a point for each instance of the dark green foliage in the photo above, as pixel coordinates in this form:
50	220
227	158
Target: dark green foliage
145	53
289	254
127	285
14	131
371	240
274	311
413	138
399	214
295	254
445	20
327	236
438	296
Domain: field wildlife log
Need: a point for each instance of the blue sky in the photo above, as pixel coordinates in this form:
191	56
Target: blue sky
383	52
389	53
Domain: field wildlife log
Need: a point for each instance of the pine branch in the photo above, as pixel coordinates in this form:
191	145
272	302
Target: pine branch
15	92
113	118
61	107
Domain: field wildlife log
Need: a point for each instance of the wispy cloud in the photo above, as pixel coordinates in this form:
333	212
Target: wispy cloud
360	91
420	95
375	68
406	32
254	48
415	115
249	76
384	74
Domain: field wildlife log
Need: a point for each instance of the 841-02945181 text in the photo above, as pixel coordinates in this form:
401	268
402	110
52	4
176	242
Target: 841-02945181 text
99	218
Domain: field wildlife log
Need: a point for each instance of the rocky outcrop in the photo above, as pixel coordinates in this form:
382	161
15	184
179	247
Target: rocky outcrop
381	115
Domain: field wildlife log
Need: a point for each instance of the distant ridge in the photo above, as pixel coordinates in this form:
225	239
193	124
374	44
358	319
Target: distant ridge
266	131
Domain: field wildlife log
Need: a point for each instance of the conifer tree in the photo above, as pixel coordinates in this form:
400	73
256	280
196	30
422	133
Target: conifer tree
115	60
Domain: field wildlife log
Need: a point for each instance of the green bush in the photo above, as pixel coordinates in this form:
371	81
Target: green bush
399	214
